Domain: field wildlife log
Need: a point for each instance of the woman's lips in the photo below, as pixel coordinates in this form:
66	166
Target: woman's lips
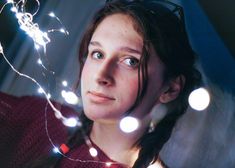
98	97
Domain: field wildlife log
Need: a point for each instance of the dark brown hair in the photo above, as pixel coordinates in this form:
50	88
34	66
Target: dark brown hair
163	30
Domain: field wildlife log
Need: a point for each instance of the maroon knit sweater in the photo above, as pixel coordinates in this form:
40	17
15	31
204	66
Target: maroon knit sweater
23	136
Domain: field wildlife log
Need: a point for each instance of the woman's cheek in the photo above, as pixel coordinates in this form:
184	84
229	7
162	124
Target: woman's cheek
86	71
85	78
131	87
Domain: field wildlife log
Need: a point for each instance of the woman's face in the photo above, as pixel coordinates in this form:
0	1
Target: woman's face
109	81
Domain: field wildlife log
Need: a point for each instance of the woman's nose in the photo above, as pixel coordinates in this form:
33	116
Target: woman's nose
105	73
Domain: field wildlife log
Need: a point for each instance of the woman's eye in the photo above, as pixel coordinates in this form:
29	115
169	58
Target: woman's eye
131	62
97	55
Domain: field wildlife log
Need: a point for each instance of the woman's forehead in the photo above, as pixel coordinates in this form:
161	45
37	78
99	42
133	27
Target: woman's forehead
119	20
117	29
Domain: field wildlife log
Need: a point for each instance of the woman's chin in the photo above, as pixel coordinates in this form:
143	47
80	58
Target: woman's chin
101	117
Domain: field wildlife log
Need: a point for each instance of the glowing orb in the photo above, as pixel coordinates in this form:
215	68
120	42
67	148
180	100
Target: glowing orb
108	164
56	150
48	95
70	97
51	14
39	61
70	122
93	152
40	90
129	124
65	83
199	99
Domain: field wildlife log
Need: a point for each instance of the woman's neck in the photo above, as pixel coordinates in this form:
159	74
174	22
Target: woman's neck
114	143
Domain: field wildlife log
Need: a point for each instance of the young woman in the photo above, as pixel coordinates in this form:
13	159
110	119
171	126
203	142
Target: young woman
135	60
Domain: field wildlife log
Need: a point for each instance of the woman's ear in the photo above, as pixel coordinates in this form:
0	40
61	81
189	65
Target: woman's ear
173	89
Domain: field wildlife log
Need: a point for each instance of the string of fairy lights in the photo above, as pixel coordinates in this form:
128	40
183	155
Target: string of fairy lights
199	99
40	40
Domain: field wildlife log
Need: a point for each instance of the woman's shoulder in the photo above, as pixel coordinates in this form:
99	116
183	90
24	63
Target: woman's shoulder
7	101
29	128
29	107
10	103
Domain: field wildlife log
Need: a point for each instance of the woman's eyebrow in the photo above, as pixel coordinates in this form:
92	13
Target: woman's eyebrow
122	48
130	50
95	43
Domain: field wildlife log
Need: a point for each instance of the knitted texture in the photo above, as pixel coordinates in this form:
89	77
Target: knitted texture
23	135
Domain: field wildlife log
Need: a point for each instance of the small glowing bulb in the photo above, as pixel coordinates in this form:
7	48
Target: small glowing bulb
129	124
48	95
56	150
69	97
93	152
40	90
65	83
51	14
39	61
108	164
199	99
62	30
70	122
